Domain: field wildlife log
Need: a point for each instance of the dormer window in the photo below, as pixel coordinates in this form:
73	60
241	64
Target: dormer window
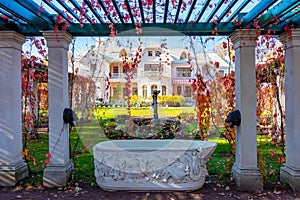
123	53
157	53
150	53
183	56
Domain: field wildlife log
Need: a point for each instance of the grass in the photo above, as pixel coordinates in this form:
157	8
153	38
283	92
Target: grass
84	136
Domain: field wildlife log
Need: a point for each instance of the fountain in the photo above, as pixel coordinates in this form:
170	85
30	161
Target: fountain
151	164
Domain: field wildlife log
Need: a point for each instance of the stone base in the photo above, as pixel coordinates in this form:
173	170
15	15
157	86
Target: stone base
247	179
11	174
291	177
57	175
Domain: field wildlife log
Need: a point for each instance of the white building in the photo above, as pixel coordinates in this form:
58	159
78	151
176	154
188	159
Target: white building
167	70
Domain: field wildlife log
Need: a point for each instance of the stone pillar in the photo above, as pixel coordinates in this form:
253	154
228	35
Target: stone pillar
245	170
58	171
290	172
12	167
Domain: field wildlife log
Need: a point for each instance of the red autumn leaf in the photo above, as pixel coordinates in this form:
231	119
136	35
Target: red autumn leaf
217	64
48	155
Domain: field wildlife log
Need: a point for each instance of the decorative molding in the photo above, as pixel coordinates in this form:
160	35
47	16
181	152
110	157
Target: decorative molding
151	170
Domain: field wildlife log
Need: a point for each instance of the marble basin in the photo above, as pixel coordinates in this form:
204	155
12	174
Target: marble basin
148	165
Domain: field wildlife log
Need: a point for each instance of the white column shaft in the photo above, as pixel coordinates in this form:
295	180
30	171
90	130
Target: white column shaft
245	170
292	95
10	98
12	167
246	147
58	45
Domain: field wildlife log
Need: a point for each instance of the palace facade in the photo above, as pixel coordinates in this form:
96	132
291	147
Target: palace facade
167	70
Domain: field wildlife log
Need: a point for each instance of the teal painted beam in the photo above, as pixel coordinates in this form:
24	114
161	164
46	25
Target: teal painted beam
278	10
35	9
129	11
105	11
203	10
118	11
142	10
96	14
10	16
78	7
257	10
158	29
63	4
216	8
154	11
166	11
289	15
238	10
178	11
225	11
149	29
19	11
294	20
190	11
58	11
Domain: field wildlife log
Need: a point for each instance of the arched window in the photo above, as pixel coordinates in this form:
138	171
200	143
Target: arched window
153	87
164	90
183	56
123	53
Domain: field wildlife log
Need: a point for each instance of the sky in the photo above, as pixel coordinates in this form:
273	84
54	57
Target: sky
84	43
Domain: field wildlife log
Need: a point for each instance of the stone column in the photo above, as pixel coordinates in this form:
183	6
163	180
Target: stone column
12	167
245	170
290	172
57	173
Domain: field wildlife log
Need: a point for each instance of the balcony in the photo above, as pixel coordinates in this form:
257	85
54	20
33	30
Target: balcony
121	76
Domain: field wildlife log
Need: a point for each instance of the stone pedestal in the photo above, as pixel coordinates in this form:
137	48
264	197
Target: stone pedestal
290	172
58	171
12	167
245	170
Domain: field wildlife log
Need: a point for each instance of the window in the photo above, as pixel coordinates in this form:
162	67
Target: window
205	69
152	67
157	53
183	72
153	87
92	68
164	90
221	72
124	70
183	56
124	92
123	53
187	91
150	53
179	90
134	91
114	91
144	91
115	69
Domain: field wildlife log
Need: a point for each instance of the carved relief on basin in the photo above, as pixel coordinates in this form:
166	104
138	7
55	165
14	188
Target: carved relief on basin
151	164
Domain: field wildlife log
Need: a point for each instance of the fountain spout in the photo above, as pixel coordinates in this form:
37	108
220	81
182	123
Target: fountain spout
154	103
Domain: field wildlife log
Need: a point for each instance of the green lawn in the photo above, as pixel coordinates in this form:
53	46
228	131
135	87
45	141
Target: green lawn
84	136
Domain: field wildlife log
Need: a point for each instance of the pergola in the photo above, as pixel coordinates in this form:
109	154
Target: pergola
242	20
